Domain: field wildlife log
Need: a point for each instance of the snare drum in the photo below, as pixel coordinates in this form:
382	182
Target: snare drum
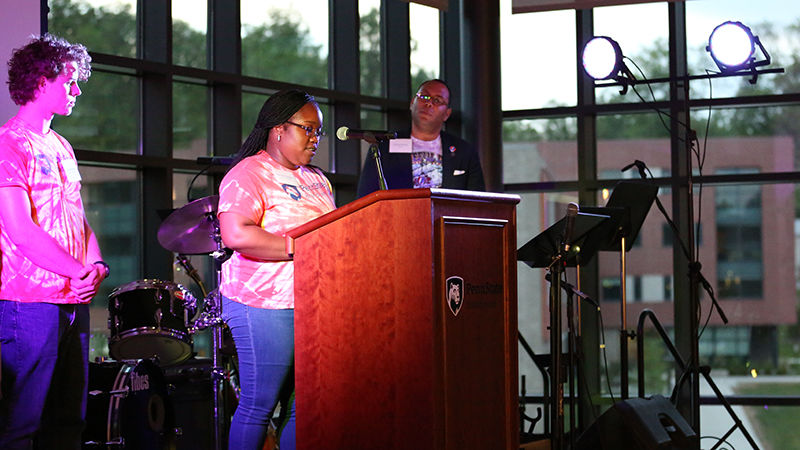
128	407
151	318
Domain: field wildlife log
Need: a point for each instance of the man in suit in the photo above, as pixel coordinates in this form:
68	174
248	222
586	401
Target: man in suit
427	156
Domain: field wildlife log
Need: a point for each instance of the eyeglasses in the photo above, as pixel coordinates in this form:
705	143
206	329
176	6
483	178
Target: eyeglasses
435	101
309	131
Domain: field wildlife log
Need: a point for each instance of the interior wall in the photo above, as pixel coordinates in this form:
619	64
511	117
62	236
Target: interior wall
19	20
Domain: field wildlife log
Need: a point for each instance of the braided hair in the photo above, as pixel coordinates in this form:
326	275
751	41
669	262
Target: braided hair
279	108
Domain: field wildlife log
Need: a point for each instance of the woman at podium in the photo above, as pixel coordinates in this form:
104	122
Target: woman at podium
270	189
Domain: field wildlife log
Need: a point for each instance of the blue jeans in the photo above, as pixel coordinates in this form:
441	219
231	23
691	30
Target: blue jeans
45	353
264	341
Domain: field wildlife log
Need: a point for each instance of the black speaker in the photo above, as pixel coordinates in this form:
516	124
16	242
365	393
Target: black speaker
638	423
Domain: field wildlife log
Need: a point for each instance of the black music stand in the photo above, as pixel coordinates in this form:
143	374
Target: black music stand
636	198
628	206
543	250
546	250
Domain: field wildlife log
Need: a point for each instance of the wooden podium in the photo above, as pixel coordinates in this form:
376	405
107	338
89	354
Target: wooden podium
406	323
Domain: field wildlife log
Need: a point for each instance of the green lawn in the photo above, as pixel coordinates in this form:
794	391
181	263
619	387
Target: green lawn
778	425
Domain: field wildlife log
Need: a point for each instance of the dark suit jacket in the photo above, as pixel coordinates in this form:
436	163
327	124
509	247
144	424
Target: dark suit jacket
457	156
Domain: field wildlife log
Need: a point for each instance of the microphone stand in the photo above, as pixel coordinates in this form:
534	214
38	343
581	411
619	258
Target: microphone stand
376	154
556	369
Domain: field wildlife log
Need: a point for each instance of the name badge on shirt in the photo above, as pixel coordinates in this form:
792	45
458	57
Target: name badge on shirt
70	168
400	146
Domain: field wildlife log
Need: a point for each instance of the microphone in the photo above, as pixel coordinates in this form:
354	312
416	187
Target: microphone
569	226
640	165
215	160
344	133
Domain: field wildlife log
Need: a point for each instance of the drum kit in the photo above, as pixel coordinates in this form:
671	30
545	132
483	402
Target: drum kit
151	324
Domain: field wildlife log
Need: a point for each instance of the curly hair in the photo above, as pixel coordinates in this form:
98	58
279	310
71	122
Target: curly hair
279	108
44	56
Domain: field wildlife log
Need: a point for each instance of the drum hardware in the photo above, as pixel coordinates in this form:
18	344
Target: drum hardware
184	262
193	229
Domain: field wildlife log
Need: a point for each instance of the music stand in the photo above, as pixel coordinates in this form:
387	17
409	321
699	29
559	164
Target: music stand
546	250
636	198
628	206
543	249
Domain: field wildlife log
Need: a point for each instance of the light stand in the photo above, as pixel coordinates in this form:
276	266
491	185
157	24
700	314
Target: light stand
681	84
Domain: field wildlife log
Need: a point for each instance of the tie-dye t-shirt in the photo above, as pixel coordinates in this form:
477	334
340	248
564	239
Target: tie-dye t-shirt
278	199
40	164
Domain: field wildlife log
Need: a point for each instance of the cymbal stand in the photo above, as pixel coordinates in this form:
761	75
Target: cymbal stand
212	317
218	372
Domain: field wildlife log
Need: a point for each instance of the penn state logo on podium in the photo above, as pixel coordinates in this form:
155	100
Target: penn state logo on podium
454	294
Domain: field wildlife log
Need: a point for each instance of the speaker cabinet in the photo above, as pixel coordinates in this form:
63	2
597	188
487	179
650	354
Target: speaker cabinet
639	423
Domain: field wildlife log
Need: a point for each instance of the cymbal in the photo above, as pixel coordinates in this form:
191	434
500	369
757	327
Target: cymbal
190	229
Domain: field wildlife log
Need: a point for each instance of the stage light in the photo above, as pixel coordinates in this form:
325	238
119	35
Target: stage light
602	58
733	47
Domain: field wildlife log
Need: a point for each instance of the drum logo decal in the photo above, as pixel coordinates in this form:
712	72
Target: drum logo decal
140	382
454	294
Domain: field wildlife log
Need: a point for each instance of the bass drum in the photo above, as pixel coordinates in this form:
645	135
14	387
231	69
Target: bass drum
128	407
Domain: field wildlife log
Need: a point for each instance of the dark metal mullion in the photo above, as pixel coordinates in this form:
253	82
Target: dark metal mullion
686	295
224	56
588	376
155	21
102	62
396	54
792	99
481	92
345	78
452	67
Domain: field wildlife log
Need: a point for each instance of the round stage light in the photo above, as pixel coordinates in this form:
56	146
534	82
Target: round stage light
731	45
602	58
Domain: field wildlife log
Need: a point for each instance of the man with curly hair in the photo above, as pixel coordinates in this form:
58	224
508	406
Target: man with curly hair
50	262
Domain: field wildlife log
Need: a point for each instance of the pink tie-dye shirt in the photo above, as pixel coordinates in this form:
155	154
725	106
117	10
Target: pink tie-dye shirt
278	199
38	163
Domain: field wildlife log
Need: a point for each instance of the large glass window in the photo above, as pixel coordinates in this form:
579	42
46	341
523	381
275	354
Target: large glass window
189	31
111	199
107	26
537	70
106	117
369	42
539	150
773	21
190	122
740	256
424	33
745	215
761	137
285	40
641	31
624	138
